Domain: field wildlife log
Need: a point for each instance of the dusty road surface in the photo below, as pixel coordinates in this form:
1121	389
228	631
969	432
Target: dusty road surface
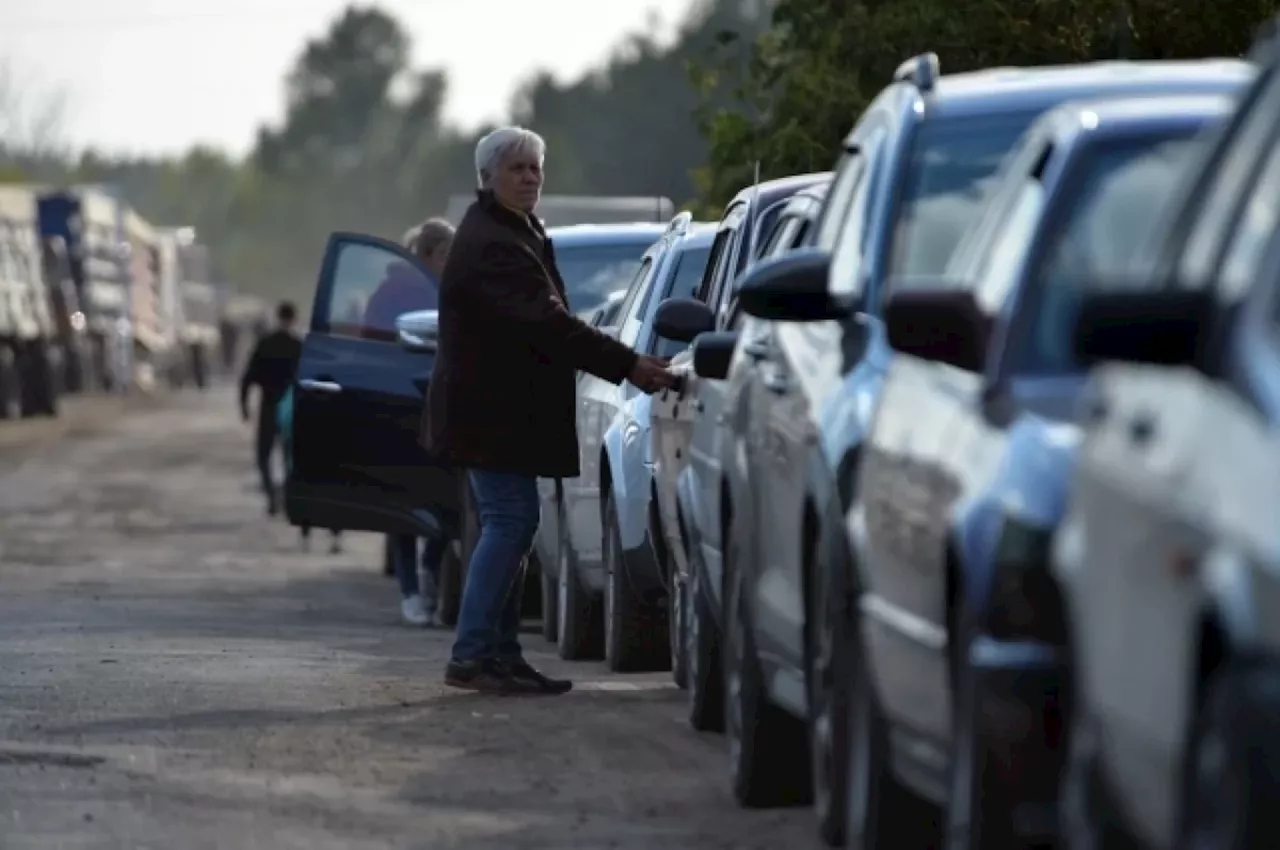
176	674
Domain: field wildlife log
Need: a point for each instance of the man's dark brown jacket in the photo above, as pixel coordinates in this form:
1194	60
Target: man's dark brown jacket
502	393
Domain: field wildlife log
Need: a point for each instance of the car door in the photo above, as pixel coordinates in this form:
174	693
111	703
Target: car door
598	402
358	399
704	400
799	367
674	412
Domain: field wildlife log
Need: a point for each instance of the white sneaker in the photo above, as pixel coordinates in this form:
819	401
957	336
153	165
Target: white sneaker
413	612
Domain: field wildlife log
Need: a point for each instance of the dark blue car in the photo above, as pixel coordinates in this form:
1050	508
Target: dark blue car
358	398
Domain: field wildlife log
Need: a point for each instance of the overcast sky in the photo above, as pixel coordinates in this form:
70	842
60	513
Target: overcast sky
160	75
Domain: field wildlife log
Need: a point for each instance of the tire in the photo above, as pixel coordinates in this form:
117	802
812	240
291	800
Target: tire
677	614
768	763
1231	784
704	672
635	633
550	596
578	616
828	681
877	811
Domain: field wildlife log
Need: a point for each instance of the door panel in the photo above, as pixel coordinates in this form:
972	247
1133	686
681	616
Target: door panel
357	464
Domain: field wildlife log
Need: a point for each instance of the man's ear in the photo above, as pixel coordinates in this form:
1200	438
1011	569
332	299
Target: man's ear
484	177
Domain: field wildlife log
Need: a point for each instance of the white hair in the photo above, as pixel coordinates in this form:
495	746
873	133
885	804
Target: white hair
496	146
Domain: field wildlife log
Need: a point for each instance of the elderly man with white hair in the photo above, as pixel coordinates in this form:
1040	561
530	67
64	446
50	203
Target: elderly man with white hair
501	403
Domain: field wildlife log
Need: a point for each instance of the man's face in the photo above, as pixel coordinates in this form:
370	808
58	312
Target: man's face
518	182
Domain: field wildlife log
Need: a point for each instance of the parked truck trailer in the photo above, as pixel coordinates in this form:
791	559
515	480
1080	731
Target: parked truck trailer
30	355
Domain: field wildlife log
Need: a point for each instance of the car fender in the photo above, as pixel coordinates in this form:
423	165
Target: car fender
1031	485
628	453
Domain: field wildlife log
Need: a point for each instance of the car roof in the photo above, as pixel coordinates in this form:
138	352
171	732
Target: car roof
1034	89
772	191
588	235
1122	115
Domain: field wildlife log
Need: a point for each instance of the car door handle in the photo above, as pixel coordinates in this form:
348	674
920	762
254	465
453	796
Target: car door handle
776	382
316	386
756	349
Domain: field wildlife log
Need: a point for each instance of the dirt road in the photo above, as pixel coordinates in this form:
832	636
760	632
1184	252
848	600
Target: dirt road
176	673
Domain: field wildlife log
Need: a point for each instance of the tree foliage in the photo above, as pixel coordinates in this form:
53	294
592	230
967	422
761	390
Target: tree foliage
811	74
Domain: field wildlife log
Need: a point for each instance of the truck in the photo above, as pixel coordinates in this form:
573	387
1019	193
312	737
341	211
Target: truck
561	210
189	306
88	223
30	354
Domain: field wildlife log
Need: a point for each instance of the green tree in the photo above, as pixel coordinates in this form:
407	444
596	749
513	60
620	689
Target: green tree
813	72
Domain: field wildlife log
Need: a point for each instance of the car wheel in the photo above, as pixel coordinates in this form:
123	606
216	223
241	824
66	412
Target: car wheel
677	613
550	600
875	804
767	764
828	681
702	655
577	637
1231	783
979	810
635	638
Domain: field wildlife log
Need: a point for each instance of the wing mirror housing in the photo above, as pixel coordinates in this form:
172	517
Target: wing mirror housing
1144	324
712	353
939	321
683	319
793	288
418	331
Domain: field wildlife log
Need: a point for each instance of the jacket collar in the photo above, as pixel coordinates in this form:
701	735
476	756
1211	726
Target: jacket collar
490	204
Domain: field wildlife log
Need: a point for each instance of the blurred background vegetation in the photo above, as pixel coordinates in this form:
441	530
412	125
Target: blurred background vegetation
362	145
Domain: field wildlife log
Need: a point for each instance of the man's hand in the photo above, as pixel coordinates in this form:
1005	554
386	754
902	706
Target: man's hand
651	374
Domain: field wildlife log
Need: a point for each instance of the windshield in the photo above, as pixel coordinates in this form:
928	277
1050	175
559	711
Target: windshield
1120	191
594	272
952	171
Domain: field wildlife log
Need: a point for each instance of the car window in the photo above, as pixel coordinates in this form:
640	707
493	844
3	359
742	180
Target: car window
689	267
371	287
722	254
630	318
952	170
850	240
592	273
776	236
784	236
1108	220
848	176
999	270
802	233
1254	233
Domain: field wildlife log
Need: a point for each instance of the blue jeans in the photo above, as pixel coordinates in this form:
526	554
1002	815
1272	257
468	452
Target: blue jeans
489	620
405	555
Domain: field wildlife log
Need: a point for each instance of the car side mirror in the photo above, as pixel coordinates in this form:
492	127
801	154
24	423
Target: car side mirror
682	319
792	288
418	331
938	321
1143	325
712	353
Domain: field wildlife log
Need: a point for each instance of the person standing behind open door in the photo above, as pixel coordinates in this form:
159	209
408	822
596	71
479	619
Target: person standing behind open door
271	369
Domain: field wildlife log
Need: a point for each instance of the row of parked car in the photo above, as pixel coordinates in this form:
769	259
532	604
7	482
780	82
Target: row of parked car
968	495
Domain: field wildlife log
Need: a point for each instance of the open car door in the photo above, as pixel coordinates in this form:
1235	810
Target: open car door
358	399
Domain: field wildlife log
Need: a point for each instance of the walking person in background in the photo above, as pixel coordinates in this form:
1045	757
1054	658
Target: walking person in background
271	368
430	243
501	403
